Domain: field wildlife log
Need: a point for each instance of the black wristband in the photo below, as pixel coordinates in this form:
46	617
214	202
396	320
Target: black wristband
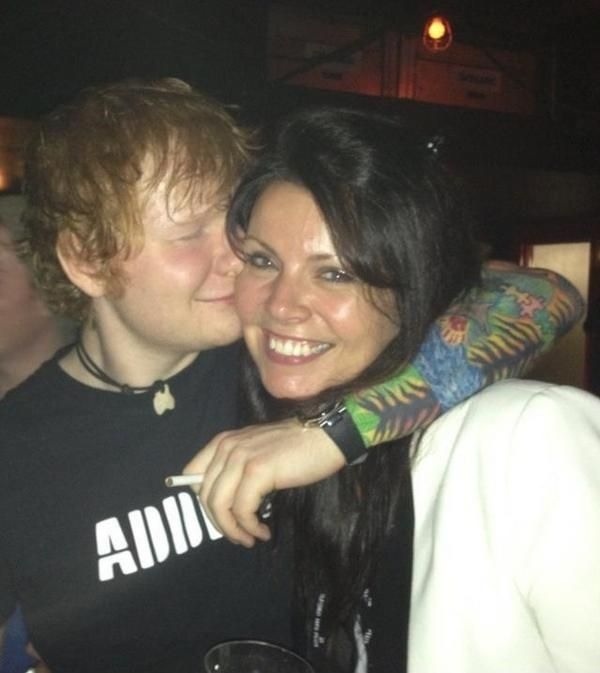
339	426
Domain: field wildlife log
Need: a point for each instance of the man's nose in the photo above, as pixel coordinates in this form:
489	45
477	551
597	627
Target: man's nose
226	261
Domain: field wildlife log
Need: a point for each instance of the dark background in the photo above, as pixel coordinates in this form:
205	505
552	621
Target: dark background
49	49
531	172
52	48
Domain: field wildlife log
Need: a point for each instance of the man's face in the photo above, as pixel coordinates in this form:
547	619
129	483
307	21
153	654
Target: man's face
178	289
23	315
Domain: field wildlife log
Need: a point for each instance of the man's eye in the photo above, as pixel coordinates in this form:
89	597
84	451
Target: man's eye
337	276
258	260
192	235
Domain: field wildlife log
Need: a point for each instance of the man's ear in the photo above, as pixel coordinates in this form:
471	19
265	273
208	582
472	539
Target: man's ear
81	272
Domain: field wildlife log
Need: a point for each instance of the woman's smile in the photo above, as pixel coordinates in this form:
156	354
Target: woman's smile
293	351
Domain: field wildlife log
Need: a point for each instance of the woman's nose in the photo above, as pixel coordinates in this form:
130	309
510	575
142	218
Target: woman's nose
287	300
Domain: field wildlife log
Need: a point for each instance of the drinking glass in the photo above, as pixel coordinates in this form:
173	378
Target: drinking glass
253	656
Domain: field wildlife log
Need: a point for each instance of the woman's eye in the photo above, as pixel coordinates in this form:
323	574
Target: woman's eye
258	260
337	276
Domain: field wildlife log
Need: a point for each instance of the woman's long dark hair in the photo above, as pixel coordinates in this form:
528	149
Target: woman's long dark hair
398	222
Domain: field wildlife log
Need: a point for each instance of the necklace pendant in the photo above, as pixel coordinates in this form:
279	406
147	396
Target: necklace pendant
163	400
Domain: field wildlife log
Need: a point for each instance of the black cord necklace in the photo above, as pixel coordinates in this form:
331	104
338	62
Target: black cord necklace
163	399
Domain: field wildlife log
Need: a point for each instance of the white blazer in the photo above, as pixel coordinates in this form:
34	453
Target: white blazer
506	575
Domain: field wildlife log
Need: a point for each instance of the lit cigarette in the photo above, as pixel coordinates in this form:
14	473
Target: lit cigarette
184	480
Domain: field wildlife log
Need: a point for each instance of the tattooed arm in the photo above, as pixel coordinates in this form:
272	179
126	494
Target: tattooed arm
495	332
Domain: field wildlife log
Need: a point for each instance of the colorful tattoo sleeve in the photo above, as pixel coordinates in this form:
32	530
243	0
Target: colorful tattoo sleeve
495	332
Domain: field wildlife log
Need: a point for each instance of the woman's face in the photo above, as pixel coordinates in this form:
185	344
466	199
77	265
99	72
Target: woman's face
307	322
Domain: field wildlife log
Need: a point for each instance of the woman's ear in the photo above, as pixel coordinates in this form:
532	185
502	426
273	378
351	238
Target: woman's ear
81	272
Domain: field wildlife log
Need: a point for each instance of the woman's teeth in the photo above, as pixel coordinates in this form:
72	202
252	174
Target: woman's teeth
295	348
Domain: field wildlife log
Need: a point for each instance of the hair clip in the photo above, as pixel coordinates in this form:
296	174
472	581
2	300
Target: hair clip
434	144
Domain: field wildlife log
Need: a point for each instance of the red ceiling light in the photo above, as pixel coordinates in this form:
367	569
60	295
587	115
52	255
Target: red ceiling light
437	33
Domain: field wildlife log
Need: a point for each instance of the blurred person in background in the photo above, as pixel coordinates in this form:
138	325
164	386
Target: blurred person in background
29	335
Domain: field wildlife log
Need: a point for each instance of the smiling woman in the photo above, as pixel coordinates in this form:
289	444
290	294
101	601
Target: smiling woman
354	239
304	314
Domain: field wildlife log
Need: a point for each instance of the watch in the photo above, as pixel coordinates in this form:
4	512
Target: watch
339	426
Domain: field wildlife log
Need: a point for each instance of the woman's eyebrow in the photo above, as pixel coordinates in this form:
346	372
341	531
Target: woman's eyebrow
250	237
315	257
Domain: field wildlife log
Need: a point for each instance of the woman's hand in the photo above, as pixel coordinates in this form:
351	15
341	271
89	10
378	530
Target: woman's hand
242	467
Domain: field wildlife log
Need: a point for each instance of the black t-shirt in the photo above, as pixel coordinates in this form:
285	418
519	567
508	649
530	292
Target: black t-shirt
114	571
